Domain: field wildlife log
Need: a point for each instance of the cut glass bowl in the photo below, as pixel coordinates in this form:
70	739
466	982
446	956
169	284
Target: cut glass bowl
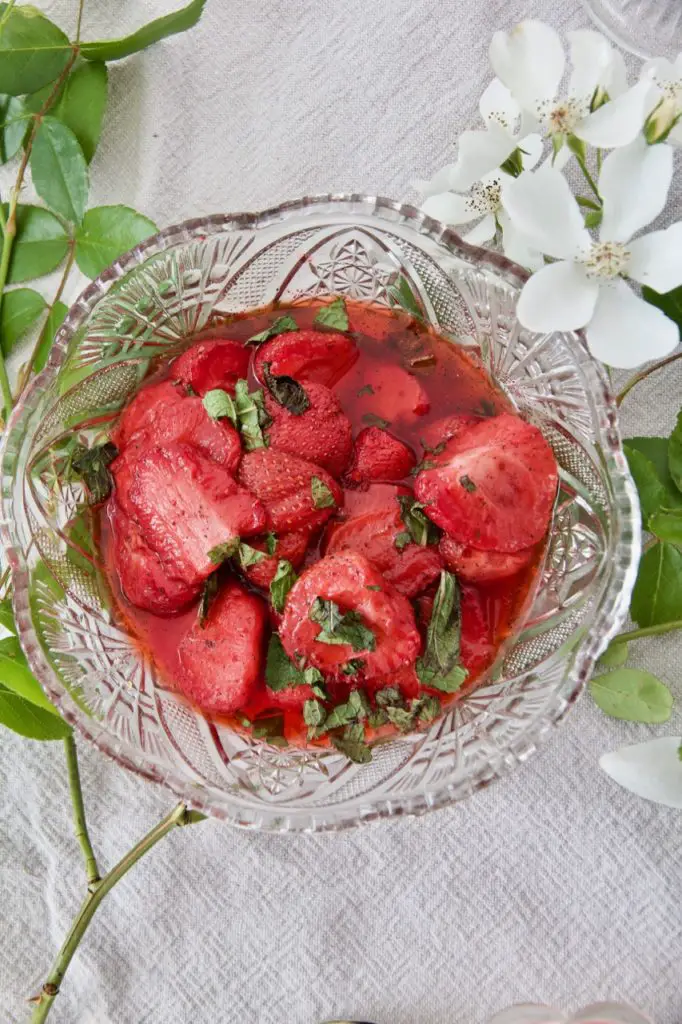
149	303
647	28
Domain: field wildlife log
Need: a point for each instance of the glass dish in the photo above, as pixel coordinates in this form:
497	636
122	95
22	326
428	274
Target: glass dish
647	28
146	304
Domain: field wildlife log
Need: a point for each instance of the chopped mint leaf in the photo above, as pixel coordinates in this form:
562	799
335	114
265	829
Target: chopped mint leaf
352	667
358	702
221	552
377	718
280	671
322	496
468	484
335	315
372	586
340	628
424	464
312	676
92	466
401	718
402	539
251	416
270	543
219	405
281	584
426	709
320	691
439	667
340	715
366	389
372	420
401	294
390	696
353	745
244	721
314	714
419	527
208	593
439	448
250	556
269	727
280	326
286	391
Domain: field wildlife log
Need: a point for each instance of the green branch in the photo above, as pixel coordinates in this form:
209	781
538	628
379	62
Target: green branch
643	374
81	828
638	634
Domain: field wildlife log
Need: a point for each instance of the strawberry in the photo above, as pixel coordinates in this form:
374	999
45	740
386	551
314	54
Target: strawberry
409	569
379	455
221	662
187	506
323	432
443	430
493	486
483	566
218	363
289	546
287	487
384	391
361	616
371	499
144	410
320	357
145	582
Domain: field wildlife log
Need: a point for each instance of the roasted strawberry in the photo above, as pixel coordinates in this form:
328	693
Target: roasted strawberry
221	662
318	356
215	363
322	432
443	430
144	580
145	409
409	567
371	499
378	455
483	566
298	495
384	392
290	547
493	487
342	612
190	509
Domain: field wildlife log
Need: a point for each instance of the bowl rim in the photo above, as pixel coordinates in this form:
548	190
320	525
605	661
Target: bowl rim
604	626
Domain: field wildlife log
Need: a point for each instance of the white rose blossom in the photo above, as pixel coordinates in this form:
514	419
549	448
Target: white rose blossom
666	78
586	286
531	62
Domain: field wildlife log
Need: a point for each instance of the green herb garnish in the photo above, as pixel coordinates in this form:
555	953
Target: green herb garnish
468	484
92	466
221	552
366	389
270	543
281	584
219	405
340	627
208	593
249	556
439	667
251	416
280	671
372	420
286	391
322	496
419	527
401	294
281	325
353	745
335	315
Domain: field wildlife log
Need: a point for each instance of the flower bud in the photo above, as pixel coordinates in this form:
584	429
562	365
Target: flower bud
661	121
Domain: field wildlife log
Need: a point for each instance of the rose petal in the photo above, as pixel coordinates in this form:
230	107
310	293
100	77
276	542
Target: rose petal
483	232
530	61
479	153
543	209
634	184
621	120
560	297
440	182
516	247
590	54
450	207
531	150
656	259
651	770
498	104
626	331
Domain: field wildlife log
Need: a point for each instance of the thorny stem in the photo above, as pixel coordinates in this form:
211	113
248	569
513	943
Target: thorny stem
96	893
637	634
643	374
27	370
10	226
91	869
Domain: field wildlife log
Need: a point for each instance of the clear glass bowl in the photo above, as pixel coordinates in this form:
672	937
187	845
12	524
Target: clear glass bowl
647	28
151	300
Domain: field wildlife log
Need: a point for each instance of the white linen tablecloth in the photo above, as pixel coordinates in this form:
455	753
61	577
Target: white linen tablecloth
553	885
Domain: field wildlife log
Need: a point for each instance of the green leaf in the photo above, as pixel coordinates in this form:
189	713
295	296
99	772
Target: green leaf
14	125
614	656
335	315
353	745
280	671
427	709
55	319
669	302
653	492
29	720
439	667
92	465
286	391
390	696
402	539
33	50
59	170
366	389
322	496
402	718
269	726
420	528
655	449
657	596
20	310
372	420
675	453
667	525
152	32
250	556
221	552
219	405
352	667
401	294
208	595
593	218
251	416
281	584
106	233
633	695
270	543
340	628
16	676
81	104
281	325
359	704
314	713
340	715
40	245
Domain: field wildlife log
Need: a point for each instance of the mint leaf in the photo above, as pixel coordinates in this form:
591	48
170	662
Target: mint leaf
366	389
633	695
340	628
221	552
353	745
420	528
269	726
427	709
219	405
352	667
322	496
439	667
373	420
359	704
59	170
281	584
314	714
286	391
152	32
249	556
468	484
377	718
251	416
106	233
400	717
335	315
389	696
340	715
280	671
401	294
208	594
402	539
657	595
281	325
270	543
92	466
